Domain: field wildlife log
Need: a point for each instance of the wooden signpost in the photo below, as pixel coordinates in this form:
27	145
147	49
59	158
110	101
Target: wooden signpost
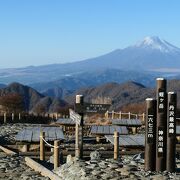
80	109
150	136
161	125
92	108
161	120
74	116
77	119
171	132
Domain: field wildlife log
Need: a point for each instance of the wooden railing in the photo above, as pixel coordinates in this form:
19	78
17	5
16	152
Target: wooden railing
124	115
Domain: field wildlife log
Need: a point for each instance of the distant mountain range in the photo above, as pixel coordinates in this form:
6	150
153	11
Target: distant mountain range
120	94
123	94
142	62
63	87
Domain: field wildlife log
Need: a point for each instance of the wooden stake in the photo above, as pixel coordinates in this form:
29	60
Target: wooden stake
116	145
129	115
120	115
42	146
12	116
97	139
5	118
56	153
112	115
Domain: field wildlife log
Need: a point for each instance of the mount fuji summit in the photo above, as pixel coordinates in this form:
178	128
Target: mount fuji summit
150	54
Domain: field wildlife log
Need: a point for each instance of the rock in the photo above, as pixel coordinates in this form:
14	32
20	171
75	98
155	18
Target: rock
103	165
92	166
124	172
69	159
93	162
113	166
138	157
158	177
95	155
95	172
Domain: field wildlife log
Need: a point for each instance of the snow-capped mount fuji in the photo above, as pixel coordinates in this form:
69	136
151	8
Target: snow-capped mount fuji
156	43
150	54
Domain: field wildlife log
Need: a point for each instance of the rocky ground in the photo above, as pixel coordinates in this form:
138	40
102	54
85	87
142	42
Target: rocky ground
128	167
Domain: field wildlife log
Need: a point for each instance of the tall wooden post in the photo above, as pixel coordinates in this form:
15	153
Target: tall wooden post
56	153
171	132
80	102
120	115
12	116
134	130
97	139
129	115
112	115
161	126
150	135
42	146
107	114
5	118
116	145
77	151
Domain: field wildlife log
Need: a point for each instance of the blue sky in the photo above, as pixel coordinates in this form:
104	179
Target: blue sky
36	32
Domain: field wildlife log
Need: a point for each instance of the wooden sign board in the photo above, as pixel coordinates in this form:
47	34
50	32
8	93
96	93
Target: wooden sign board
92	108
74	116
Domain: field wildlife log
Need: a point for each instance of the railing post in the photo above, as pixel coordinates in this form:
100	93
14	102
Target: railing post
97	139
129	115
161	125
106	114
19	116
120	116
56	153
171	132
112	115
116	145
134	130
42	146
5	118
12	116
150	135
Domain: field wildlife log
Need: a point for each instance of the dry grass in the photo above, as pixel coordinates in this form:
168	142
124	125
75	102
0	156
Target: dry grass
97	120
